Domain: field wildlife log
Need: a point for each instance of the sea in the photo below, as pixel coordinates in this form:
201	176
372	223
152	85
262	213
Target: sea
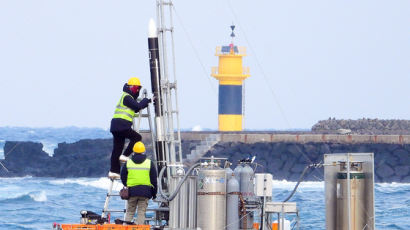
38	203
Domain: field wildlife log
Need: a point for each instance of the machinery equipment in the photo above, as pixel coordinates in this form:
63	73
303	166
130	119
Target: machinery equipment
349	188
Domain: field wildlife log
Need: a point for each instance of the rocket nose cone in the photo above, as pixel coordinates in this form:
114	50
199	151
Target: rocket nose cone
152	29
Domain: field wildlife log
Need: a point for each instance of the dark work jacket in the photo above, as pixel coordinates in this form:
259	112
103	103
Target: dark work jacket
141	190
118	124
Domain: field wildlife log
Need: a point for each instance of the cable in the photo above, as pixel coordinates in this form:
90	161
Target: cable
260	67
5	154
174	194
238	220
195	51
268	222
4	167
297	184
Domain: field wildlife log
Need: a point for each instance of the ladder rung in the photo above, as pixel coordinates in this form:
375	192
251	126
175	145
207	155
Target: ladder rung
144	131
157	209
115	210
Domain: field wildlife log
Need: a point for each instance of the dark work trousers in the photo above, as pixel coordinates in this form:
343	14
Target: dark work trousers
119	141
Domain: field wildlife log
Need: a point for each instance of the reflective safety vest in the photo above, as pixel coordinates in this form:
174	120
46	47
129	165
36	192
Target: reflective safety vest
138	174
122	111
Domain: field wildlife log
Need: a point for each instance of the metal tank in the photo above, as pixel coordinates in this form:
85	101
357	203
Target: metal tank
247	190
247	183
237	172
232	203
357	204
229	173
211	198
192	202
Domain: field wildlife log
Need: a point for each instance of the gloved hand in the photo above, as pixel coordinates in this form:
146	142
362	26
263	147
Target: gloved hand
144	102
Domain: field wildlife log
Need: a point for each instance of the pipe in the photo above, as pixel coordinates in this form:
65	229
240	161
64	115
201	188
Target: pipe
174	194
300	180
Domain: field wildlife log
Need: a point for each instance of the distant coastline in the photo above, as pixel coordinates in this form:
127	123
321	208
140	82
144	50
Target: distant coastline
86	152
285	160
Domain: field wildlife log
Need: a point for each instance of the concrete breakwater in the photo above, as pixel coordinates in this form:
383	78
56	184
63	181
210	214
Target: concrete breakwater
285	155
288	160
363	126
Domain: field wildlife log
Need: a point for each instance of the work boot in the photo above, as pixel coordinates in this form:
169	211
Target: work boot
113	175
124	158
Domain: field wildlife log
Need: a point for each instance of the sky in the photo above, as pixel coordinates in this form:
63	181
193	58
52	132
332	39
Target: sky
63	63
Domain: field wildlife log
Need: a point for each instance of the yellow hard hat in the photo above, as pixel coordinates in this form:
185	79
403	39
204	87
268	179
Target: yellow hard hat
134	81
139	147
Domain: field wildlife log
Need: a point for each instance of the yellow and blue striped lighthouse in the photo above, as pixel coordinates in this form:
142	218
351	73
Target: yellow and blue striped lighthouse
230	74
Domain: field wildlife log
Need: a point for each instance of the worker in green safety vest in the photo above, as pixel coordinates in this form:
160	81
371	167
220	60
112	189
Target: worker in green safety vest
121	124
140	176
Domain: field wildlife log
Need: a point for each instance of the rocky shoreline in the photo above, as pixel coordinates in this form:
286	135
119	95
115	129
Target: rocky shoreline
362	126
286	161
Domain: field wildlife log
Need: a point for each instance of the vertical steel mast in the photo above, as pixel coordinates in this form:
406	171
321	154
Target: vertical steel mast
168	82
171	134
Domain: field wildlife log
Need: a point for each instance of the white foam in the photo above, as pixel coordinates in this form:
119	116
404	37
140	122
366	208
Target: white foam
35	195
102	183
15	178
49	147
197	128
316	185
304	184
39	197
392	185
2	142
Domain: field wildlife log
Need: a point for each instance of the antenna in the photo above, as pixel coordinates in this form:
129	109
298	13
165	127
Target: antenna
233	32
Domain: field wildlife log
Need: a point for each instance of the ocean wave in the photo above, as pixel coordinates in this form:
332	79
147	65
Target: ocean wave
102	183
393	185
2	142
320	185
31	196
15	178
39	197
15	226
49	147
284	184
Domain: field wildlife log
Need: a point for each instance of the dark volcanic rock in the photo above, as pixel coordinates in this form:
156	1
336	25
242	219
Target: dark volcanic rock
406	179
402	170
91	158
384	171
298	168
25	158
403	156
85	158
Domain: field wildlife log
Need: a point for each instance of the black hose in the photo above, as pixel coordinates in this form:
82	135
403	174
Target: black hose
297	184
261	227
174	194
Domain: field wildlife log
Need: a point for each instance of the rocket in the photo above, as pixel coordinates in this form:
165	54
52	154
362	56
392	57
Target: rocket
155	71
